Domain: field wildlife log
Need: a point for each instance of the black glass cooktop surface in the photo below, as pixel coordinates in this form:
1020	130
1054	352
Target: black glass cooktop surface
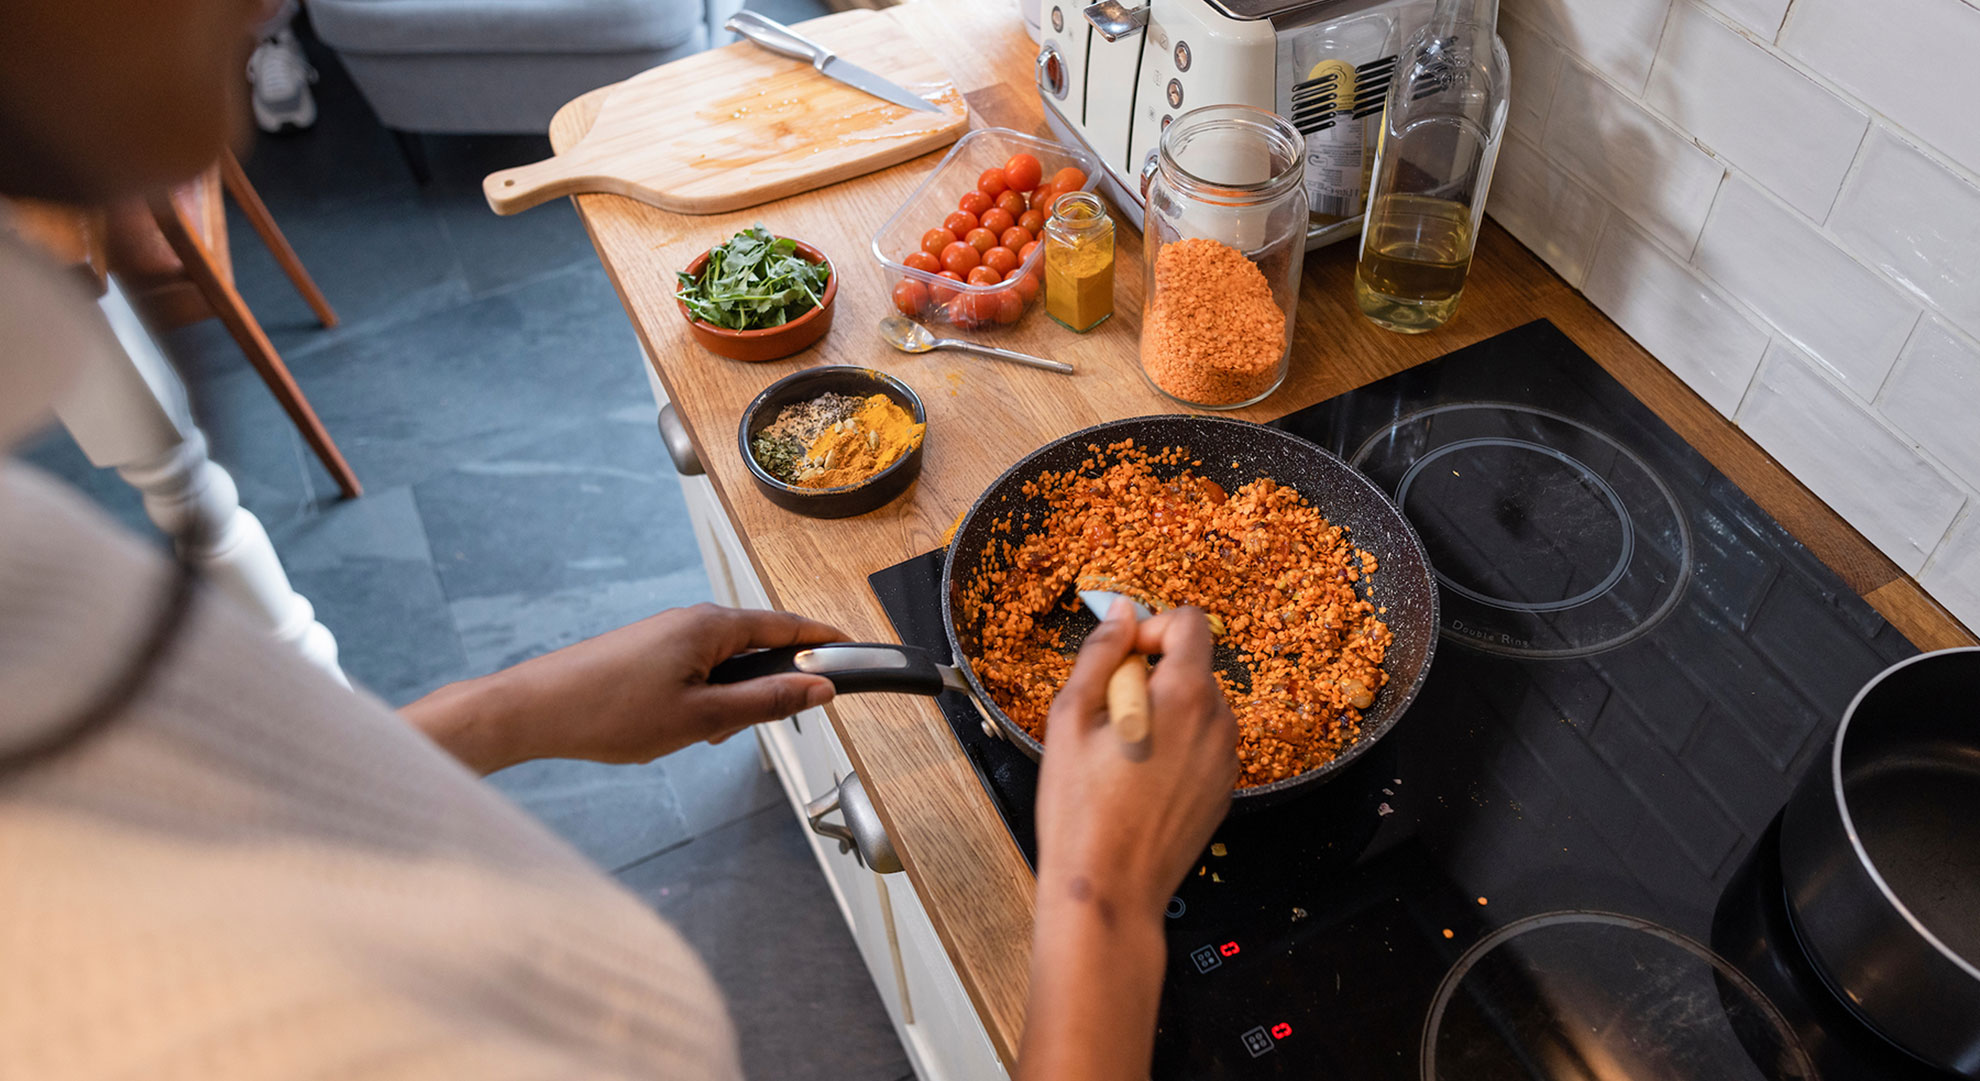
1638	664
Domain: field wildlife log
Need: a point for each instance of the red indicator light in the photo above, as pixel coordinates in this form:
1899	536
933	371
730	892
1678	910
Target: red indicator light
1228	949
1281	1030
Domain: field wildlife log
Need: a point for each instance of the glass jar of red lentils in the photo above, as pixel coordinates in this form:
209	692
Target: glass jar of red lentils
1225	233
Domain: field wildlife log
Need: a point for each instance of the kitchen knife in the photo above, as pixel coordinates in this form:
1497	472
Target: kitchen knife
784	41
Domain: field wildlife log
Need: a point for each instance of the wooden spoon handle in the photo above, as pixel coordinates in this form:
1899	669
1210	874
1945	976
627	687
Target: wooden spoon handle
1127	699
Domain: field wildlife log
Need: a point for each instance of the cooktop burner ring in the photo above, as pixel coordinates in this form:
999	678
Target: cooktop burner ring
1633	564
1594	479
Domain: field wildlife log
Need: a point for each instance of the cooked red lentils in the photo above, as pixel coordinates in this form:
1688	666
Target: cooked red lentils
1260	560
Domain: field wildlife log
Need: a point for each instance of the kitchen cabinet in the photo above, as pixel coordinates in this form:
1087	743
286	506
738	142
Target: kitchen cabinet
923	996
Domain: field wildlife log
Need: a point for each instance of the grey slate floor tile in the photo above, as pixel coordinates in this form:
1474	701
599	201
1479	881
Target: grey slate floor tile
752	901
506	629
378	261
616	815
581	507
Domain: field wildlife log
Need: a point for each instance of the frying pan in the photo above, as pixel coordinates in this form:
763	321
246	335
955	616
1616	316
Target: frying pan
1234	453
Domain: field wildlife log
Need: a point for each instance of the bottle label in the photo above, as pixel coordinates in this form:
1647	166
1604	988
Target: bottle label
1334	155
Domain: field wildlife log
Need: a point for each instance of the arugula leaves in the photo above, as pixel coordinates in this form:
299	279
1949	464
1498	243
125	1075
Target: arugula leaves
753	280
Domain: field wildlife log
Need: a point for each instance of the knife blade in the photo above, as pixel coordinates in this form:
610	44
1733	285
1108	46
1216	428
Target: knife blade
859	78
782	40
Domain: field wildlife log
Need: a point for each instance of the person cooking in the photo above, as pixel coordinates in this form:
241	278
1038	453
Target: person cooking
216	863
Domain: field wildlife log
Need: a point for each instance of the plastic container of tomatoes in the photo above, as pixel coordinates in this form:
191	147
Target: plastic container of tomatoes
914	274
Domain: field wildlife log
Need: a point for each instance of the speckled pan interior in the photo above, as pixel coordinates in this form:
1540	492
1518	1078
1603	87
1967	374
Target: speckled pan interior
1346	497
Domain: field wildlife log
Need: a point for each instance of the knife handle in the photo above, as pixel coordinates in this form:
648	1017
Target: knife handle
778	38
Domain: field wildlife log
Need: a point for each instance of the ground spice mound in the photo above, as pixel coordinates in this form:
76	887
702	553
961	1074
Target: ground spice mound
1307	645
1212	334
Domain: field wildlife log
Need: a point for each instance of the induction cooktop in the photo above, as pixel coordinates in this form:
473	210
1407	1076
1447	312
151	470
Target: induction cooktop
1638	665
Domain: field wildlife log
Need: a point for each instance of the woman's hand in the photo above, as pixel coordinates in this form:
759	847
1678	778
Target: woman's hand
1118	827
1124	823
629	695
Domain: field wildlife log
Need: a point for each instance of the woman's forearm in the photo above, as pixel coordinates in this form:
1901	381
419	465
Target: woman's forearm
473	720
1096	980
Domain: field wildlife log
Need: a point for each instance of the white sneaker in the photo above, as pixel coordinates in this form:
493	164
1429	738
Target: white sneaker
281	79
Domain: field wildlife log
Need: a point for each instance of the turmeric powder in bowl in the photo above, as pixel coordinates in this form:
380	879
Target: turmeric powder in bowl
836	440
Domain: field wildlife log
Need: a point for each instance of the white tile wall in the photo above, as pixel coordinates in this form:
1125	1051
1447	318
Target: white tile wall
1846	455
1546	209
1676	315
1749	107
1762	17
1653	172
1536	65
1619	37
1954	576
1821	299
1912	60
1934	396
1733	178
1918	222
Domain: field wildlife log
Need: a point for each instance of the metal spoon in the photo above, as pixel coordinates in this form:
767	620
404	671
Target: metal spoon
909	336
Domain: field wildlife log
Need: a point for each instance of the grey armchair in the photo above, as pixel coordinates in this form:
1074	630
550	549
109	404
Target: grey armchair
502	66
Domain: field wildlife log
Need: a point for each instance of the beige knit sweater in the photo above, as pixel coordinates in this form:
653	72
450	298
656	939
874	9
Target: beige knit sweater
258	874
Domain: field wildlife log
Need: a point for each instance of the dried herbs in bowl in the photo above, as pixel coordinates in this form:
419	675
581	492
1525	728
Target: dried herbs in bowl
754	281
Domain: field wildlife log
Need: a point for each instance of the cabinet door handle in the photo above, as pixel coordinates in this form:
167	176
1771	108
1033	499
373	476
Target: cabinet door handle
679	446
859	830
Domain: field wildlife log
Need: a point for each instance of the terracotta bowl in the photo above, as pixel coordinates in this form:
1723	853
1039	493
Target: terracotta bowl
873	492
770	343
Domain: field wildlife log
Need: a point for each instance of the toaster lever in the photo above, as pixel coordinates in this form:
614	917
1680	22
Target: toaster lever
1116	20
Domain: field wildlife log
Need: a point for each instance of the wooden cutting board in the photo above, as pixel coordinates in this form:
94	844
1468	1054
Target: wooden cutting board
738	126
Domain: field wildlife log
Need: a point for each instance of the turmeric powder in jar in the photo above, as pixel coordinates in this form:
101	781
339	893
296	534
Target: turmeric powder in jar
1079	262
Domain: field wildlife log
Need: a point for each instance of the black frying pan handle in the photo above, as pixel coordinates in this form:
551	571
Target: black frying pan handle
853	667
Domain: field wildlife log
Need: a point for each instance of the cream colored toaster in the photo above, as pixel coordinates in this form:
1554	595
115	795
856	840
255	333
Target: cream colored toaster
1112	76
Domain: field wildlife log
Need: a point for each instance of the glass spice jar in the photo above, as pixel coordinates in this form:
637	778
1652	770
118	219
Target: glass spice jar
1079	262
1225	234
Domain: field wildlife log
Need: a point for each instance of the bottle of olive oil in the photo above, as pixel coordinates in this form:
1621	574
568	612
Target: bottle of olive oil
1440	134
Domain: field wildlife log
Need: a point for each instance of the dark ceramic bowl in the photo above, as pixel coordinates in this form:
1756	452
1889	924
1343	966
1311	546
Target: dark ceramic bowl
770	343
874	491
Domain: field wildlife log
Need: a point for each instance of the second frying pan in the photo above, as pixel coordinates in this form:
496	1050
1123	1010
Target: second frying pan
1233	453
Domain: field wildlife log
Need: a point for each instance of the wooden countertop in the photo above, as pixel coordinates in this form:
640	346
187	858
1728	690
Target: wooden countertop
984	415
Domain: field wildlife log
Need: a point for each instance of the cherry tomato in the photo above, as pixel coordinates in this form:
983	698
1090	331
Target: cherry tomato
984	275
997	219
960	258
942	294
1068	179
1032	220
1027	284
992	182
1013	202
960	222
973	310
911	297
975	202
1000	259
1023	172
934	240
1041	198
1017	236
1010	305
981	239
921	260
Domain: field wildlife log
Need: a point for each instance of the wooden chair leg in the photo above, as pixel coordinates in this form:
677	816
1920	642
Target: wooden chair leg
249	201
240	322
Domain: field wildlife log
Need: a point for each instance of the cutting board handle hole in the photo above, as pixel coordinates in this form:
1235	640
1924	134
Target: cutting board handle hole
509	183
